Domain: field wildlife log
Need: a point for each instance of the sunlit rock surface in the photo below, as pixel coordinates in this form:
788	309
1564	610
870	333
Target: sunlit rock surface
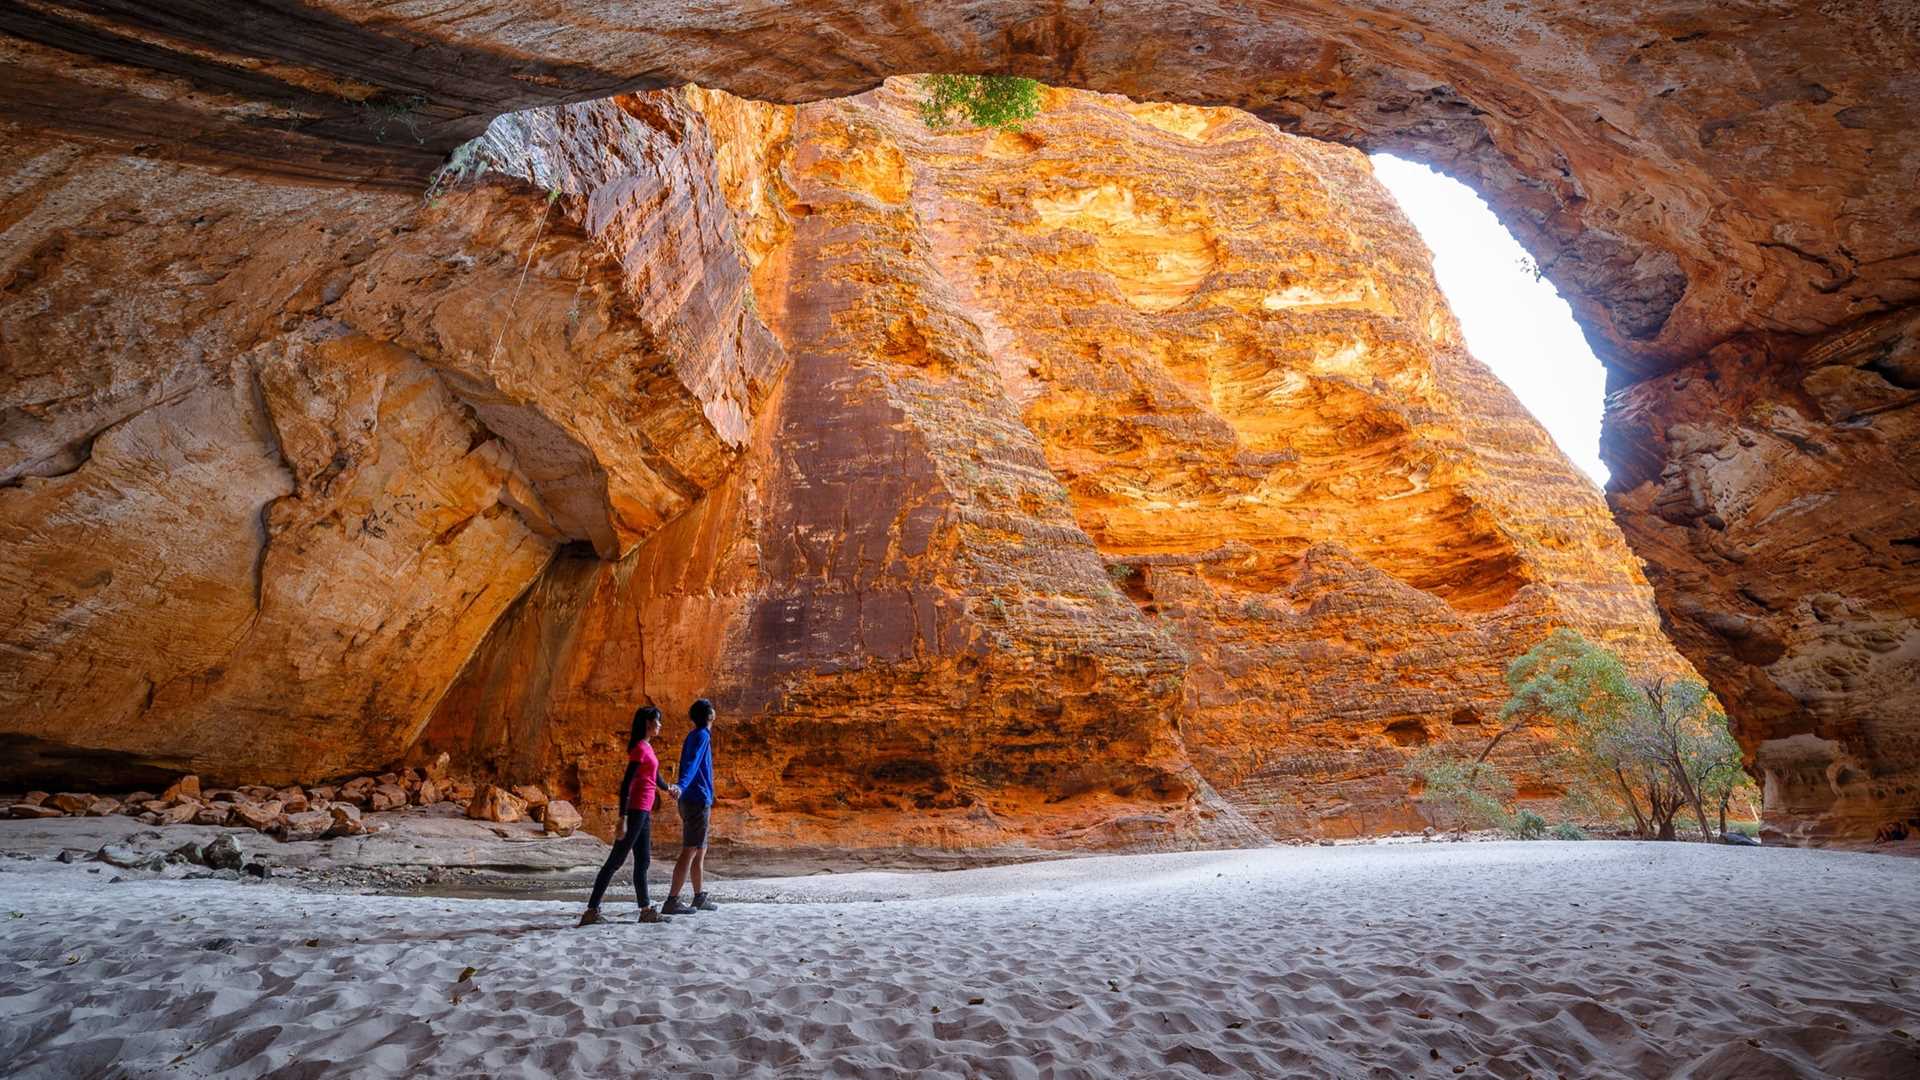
276	458
1129	485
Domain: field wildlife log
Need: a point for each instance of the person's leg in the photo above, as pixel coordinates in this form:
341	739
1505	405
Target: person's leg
699	864
640	824
680	873
614	858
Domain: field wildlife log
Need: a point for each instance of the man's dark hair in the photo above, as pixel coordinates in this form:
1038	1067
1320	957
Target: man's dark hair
701	713
643	718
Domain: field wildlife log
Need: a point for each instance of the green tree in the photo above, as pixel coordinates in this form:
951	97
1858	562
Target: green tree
1652	749
1459	794
992	101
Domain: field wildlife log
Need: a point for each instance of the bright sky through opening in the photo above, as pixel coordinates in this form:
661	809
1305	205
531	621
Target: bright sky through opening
1516	325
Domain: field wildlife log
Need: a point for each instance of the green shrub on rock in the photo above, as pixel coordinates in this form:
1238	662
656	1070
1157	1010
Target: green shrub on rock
989	101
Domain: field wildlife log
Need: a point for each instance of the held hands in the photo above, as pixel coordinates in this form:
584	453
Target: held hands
674	790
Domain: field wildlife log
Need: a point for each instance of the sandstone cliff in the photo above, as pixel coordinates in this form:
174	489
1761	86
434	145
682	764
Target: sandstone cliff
1776	499
1129	484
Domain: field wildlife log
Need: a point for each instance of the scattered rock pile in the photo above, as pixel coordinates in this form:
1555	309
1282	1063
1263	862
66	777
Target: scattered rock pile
322	811
524	802
286	813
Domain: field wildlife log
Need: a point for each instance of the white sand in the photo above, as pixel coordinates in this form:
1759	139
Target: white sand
1542	959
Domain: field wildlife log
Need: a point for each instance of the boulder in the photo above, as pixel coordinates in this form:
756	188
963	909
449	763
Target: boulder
181	813
220	795
154	806
68	802
251	815
134	798
211	814
493	803
187	787
189	852
257	792
294	801
103	806
531	795
389	778
323	793
346	820
308	825
147	817
32	811
224	853
357	789
387	797
458	791
438	767
35	798
561	818
426	794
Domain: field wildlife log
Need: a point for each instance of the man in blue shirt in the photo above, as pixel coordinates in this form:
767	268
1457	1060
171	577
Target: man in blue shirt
696	801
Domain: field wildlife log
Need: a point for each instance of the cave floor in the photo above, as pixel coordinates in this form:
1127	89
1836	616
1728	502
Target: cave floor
1503	959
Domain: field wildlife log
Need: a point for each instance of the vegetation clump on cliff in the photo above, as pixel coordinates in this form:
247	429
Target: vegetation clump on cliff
992	101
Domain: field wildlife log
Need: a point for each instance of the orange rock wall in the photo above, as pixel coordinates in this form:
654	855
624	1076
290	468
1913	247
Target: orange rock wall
276	459
1129	486
1776	498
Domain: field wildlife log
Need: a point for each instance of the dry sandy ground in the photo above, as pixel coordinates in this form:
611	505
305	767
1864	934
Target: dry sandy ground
1505	959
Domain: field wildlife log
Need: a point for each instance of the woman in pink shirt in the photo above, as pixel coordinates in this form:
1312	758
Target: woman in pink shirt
636	832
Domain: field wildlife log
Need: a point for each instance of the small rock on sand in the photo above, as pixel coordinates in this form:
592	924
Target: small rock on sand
224	853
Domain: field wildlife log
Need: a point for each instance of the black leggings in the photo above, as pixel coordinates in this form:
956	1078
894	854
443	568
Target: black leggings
638	838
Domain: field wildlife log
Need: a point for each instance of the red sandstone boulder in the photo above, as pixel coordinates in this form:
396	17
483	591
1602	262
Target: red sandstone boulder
387	797
561	818
295	801
213	814
496	804
458	791
180	813
426	794
531	795
322	793
68	802
32	810
346	820
252	815
310	825
187	787
357	790
437	769
257	792
35	798
103	806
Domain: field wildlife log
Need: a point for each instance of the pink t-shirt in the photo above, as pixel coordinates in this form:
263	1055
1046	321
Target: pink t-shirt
641	797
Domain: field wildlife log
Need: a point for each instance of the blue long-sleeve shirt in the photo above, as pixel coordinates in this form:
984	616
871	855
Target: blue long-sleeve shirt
696	767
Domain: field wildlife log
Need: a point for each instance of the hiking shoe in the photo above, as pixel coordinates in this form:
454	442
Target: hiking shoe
703	902
591	917
675	907
652	914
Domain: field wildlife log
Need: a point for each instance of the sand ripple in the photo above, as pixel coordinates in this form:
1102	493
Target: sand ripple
1506	960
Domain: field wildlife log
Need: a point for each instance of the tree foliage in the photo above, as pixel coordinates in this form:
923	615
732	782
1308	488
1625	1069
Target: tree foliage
992	101
1459	794
1651	749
